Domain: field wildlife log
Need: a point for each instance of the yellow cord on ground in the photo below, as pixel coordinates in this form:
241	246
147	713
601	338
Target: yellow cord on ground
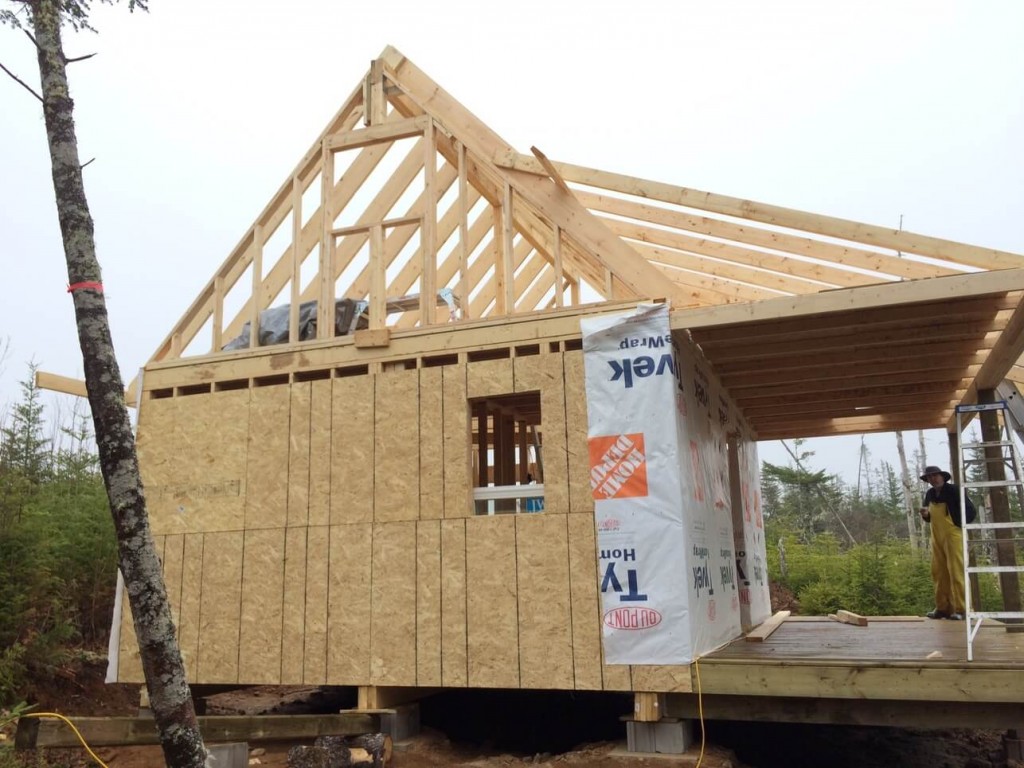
700	713
88	749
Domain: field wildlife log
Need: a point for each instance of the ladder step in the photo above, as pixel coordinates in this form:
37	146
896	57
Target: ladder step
994	484
991	526
1000	406
995	569
992	444
996	614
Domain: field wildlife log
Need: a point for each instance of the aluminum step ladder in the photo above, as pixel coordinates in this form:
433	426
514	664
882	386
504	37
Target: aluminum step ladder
976	532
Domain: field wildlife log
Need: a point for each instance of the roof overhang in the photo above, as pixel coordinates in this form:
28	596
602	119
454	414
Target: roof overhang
881	358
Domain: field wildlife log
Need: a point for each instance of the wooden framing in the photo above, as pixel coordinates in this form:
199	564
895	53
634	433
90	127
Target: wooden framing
313	499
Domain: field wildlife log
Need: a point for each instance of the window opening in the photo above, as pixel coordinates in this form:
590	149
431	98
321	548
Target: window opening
508	466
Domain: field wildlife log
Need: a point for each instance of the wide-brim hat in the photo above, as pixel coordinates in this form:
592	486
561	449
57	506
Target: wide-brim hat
935	471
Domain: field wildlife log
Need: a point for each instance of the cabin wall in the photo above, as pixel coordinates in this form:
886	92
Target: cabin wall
322	532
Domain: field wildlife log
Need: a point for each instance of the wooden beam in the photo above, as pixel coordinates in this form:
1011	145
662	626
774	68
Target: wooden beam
463	247
125	731
201	308
255	303
428	230
551	170
872	296
66	385
763	631
842	256
848	617
1003	355
830	226
375	108
378	284
392	130
296	262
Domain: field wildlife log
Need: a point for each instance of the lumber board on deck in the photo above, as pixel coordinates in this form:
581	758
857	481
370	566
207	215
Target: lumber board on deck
763	631
848	617
121	731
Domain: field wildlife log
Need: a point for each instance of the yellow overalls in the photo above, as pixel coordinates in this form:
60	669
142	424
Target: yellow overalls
947	560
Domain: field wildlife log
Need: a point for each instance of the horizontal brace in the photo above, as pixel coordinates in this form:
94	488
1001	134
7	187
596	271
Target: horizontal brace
994	484
996	569
986	526
357	229
377	134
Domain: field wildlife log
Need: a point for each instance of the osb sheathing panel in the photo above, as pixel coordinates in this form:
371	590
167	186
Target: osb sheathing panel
348	604
129	662
259	642
393	623
492	613
195	475
173	563
352	450
397	446
489	377
220	608
545	613
191	597
581	499
544	373
586	612
298	454
320	453
314	662
457	440
454	665
663	679
431	445
266	497
428	603
293	621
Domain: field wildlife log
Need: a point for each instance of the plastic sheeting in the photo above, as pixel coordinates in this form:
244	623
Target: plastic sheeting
274	323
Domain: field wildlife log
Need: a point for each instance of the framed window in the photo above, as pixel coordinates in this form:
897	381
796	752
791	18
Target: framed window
508	466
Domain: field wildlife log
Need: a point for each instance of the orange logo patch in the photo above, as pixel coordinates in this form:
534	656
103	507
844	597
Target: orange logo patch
618	466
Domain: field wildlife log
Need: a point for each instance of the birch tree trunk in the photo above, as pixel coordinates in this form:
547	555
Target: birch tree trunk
169	693
910	505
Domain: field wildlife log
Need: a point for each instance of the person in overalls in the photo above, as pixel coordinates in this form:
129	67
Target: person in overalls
941	508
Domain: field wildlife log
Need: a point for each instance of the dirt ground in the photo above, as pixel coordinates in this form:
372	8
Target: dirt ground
469	737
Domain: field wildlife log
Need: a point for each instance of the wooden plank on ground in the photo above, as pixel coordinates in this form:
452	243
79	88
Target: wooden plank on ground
220	608
314	658
124	731
545	610
393	600
847	617
348	605
454	665
428	603
492	621
396	481
762	632
352	450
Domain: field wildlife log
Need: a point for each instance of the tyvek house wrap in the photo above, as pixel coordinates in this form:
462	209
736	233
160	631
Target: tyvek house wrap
660	479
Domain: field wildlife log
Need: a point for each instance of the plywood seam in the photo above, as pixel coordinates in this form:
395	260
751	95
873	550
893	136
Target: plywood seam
568	560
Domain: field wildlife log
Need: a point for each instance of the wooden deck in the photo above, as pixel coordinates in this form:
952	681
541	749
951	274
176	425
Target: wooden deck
906	673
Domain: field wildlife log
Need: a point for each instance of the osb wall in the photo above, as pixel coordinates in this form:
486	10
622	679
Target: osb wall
322	533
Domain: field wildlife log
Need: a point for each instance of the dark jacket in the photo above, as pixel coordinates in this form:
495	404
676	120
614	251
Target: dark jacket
949	494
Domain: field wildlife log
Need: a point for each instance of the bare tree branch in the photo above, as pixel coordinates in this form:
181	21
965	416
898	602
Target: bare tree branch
29	34
22	83
86	163
79	58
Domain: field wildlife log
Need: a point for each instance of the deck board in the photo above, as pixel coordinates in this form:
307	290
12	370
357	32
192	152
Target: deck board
890	641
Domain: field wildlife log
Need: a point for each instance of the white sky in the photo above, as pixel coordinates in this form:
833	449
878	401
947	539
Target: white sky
197	111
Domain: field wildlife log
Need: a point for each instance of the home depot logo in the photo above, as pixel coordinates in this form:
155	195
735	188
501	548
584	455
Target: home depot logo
618	466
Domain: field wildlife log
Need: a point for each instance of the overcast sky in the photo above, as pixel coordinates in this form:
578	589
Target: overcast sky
197	112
